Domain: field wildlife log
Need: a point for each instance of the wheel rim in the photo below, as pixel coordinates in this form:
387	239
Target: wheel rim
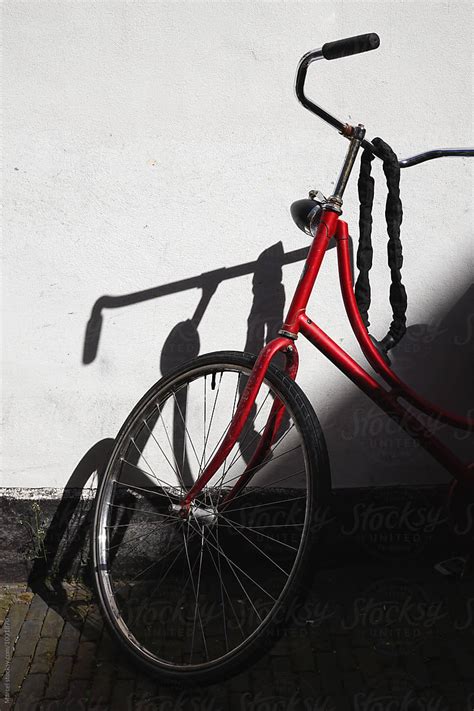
189	593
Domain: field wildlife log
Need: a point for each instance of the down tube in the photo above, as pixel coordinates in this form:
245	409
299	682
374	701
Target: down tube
387	401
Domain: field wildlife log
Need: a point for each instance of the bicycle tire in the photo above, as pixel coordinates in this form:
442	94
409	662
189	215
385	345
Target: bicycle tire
316	458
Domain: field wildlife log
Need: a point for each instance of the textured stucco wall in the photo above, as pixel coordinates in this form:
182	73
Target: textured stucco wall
149	142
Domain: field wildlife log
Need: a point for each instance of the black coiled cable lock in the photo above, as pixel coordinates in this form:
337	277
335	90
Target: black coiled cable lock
393	216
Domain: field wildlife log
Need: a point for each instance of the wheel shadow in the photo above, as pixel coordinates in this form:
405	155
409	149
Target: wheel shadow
66	543
65	546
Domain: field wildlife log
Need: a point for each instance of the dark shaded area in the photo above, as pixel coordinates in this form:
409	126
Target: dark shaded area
369	638
407	527
435	359
66	541
436	356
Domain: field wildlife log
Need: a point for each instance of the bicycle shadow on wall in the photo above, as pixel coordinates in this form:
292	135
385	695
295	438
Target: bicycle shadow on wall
349	428
66	540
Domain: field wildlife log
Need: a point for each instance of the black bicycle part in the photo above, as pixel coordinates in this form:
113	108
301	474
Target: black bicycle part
350	45
393	216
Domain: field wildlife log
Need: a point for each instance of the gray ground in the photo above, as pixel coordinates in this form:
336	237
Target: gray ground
395	637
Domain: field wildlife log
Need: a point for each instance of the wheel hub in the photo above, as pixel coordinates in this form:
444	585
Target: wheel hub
204	515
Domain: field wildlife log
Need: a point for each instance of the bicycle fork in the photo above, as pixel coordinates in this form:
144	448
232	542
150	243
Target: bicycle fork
285	343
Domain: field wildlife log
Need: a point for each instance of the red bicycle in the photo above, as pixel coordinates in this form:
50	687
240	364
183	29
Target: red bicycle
206	518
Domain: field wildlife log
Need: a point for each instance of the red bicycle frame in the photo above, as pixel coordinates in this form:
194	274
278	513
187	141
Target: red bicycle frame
387	394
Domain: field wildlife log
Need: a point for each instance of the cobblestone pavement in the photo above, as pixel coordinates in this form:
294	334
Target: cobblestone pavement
394	638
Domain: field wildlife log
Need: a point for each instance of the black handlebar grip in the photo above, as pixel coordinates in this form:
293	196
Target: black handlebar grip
351	45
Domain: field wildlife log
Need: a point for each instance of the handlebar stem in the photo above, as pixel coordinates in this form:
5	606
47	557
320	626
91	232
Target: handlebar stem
351	155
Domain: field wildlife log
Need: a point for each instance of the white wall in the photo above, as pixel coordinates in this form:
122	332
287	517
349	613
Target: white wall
148	142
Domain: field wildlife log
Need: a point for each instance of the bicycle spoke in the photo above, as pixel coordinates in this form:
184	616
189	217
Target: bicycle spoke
256	528
242	448
212	414
230	421
269	503
203	458
130	508
270	525
266	461
161	449
234	564
231	566
152	473
141	488
222	588
186	429
195	595
140	537
160	481
180	477
222	436
238	455
142	471
163	577
145	570
248	492
258	548
132	523
197	598
131	550
204	425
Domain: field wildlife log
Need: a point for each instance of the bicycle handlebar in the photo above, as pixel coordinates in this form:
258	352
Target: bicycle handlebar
302	70
331	50
345	48
350	45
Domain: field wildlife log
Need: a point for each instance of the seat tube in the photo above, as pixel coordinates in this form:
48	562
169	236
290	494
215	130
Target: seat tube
326	229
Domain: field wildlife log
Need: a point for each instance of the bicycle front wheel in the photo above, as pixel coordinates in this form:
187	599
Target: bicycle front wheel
195	599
